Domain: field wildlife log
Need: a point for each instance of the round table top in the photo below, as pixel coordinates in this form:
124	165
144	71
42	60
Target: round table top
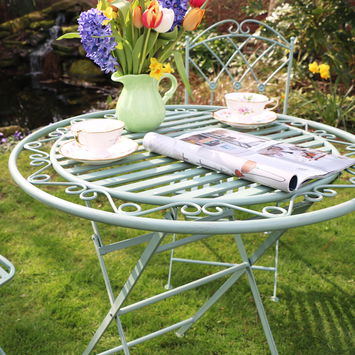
136	188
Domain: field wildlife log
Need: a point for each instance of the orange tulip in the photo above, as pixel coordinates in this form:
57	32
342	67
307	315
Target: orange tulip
193	19
153	16
137	17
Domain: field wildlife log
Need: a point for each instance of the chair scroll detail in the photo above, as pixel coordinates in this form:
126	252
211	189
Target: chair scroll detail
242	55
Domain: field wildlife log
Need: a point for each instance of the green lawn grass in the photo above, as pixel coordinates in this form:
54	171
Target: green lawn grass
57	298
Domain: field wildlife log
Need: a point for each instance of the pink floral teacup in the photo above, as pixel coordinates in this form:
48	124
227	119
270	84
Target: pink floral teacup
245	103
97	135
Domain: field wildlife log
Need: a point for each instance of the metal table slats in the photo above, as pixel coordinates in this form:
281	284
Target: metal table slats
148	175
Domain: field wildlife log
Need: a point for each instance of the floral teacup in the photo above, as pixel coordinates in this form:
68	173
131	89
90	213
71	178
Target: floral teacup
97	135
245	103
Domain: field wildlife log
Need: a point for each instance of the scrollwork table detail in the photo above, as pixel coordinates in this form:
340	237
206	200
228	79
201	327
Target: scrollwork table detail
155	193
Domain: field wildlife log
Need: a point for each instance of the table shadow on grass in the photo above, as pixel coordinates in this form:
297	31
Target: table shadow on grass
315	323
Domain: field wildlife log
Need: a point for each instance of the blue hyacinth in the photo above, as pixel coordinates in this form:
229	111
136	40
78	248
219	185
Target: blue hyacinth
179	7
97	49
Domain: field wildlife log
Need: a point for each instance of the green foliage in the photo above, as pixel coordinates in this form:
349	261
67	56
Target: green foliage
69	36
255	8
324	30
181	70
324	105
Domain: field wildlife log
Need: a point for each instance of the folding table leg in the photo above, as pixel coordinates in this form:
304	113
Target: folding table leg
169	286
274	297
212	300
98	244
134	276
256	296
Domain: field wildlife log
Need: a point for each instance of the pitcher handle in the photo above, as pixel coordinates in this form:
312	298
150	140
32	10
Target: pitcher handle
276	101
172	89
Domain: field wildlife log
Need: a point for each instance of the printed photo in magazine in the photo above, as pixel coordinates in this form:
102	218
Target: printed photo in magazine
279	165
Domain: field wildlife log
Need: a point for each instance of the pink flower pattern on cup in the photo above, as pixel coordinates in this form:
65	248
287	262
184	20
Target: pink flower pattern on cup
245	110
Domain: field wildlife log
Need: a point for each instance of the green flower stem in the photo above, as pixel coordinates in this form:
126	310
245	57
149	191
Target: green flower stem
144	50
133	29
121	56
142	4
105	4
167	52
205	4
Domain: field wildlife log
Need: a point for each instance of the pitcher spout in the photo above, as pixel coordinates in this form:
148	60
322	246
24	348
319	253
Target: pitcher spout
118	77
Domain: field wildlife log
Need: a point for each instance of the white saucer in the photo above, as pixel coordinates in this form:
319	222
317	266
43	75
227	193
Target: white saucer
246	121
72	150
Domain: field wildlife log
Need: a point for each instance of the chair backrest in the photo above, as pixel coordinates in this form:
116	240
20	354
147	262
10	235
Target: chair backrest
249	51
7	270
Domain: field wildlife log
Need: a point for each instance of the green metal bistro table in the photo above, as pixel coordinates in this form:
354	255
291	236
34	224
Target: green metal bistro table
145	191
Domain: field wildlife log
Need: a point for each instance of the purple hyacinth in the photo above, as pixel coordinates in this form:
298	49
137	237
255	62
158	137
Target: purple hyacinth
179	7
97	49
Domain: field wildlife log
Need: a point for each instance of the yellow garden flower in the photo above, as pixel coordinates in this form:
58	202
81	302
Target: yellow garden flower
313	67
99	6
158	69
110	14
324	71
156	74
154	64
167	68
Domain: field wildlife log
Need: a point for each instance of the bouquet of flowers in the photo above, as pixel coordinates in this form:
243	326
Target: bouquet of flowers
138	36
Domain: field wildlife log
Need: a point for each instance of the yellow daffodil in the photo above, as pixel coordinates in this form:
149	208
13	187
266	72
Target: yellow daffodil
154	64
99	5
167	68
324	71
110	14
313	67
156	74
158	69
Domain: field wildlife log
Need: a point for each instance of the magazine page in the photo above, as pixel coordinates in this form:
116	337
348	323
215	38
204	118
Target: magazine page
305	163
221	160
259	159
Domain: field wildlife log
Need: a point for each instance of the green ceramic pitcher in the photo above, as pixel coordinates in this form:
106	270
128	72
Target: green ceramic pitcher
140	105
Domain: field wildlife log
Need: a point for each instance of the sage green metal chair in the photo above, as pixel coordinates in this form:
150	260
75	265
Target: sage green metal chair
247	54
7	272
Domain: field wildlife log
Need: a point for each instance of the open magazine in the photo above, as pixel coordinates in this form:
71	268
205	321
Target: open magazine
268	162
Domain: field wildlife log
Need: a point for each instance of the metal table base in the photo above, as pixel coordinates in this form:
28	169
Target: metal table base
148	184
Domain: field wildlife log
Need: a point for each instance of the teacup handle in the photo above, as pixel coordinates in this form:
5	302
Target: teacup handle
270	102
172	89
